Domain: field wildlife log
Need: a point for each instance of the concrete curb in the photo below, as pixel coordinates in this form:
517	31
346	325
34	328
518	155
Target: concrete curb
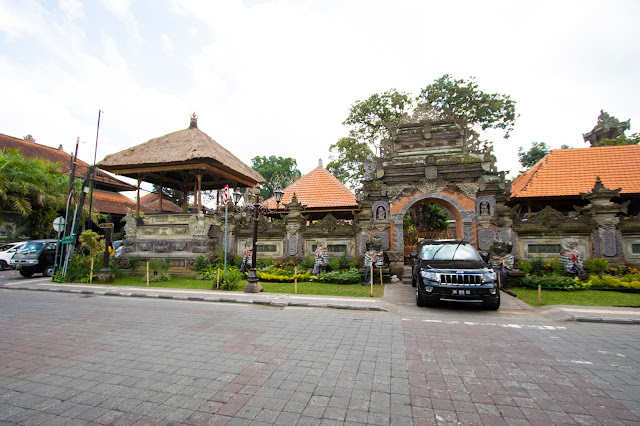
274	303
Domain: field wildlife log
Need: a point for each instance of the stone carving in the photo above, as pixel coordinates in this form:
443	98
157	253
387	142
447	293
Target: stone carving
198	225
328	223
292	248
381	209
549	217
486	237
607	128
571	257
383	239
393	193
470	189
145	246
180	230
489	203
431	172
147	230
200	249
608	238
500	256
429	187
130	225
179	246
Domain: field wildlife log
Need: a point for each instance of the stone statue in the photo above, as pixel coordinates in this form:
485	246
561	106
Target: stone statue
130	226
571	257
607	128
484	209
381	213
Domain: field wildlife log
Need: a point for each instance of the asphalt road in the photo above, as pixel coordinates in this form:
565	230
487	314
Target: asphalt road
84	359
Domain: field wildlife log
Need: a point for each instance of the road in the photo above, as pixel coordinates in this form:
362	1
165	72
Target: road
84	359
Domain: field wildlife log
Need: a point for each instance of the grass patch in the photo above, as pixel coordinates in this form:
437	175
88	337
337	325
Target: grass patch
320	289
578	297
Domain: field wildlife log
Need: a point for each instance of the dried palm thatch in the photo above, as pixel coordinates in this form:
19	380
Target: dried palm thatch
173	160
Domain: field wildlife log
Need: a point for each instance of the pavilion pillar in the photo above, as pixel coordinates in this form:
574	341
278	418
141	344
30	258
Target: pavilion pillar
160	193
185	195
138	198
199	193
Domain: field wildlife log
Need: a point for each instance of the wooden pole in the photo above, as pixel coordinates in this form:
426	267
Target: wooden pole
380	277
218	281
91	273
147	273
295	279
539	294
371	281
138	198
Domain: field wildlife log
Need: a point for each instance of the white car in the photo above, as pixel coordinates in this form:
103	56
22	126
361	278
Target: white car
6	253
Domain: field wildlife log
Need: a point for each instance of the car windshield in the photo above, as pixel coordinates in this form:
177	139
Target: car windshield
32	247
460	251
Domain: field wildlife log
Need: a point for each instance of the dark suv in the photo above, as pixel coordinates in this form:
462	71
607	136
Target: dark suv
453	271
37	256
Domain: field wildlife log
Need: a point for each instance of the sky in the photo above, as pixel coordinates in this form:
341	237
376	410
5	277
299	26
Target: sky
277	77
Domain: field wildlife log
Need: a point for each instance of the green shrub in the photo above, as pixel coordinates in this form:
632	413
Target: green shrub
524	266
156	277
272	277
537	266
339	277
334	264
79	268
209	272
555	265
631	281
263	263
134	262
231	281
596	266
159	265
554	281
200	263
307	261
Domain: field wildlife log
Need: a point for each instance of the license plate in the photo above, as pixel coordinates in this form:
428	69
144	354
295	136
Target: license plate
461	292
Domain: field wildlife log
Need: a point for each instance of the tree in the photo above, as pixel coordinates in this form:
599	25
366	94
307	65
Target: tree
462	100
29	138
634	139
529	158
372	117
32	189
275	170
348	158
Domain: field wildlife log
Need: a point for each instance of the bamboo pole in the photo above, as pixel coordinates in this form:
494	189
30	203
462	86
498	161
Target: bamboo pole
218	280
295	279
91	273
539	294
371	281
380	277
147	273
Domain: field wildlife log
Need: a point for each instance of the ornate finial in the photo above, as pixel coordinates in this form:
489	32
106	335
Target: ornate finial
320	162
193	124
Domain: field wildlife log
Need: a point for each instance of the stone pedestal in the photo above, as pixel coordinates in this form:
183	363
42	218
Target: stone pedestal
106	276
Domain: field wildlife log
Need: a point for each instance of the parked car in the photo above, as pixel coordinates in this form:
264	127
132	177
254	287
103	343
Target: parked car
36	256
453	271
6	253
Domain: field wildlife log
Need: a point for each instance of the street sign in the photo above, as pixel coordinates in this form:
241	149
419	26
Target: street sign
69	239
225	195
58	223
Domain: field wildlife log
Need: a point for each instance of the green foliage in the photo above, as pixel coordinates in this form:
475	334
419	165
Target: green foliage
334	264
307	261
537	266
634	139
273	276
348	158
200	263
208	272
529	158
275	170
463	100
79	269
372	117
339	277
524	266
347	262
554	281
630	281
157	277
93	242
159	265
263	263
555	265
596	266
32	188
134	262
232	280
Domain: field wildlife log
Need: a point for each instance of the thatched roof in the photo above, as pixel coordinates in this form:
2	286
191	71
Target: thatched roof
179	156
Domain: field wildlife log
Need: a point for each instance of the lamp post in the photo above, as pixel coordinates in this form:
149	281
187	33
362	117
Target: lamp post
253	286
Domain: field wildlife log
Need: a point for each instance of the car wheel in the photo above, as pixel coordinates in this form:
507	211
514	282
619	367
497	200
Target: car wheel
3	265
419	300
48	272
25	273
492	306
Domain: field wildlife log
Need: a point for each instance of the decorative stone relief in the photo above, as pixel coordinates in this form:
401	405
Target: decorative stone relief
292	245
431	172
490	204
147	230
145	246
383	237
364	239
608	238
485	239
470	189
394	193
179	246
380	210
429	187
130	226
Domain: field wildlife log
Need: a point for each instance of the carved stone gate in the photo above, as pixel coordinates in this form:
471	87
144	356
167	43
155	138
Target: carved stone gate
440	162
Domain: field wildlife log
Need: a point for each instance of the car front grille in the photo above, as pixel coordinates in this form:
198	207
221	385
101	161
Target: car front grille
461	279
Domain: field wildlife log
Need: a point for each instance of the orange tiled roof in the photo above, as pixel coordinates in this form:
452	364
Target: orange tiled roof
152	201
570	172
35	150
317	189
115	203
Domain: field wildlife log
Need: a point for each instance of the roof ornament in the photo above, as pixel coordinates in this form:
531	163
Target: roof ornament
320	162
193	124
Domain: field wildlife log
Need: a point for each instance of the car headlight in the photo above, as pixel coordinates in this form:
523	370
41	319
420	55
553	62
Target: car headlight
489	277
430	275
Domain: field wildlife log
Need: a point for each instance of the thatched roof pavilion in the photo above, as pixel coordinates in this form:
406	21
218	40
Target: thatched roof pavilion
185	160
